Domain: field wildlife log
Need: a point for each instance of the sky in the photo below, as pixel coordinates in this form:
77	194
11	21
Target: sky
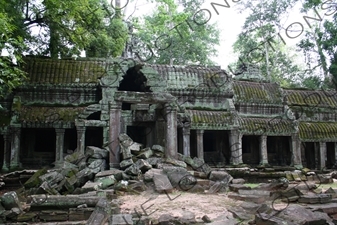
229	21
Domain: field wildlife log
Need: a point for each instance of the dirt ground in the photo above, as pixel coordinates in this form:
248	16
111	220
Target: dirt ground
178	203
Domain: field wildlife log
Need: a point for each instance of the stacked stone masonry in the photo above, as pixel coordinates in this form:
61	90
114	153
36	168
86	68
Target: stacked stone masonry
197	111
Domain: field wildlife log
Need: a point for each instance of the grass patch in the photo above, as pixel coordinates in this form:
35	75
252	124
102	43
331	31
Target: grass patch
251	185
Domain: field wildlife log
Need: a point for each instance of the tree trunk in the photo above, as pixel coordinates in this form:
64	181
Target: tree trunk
54	41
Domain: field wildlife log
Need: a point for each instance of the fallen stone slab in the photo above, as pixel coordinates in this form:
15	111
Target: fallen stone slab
125	163
315	199
250	198
148	176
220	176
298	214
121	219
254	192
101	213
42	202
34	180
118	174
328	208
145	153
106	182
238	181
265	219
96	153
175	162
53	215
237	187
97	165
143	165
162	183
78	214
76	158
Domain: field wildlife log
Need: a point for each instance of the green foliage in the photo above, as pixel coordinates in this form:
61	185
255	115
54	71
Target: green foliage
56	28
172	35
319	44
257	43
10	75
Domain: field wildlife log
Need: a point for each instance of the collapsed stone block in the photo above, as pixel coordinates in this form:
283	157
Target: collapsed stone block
153	161
148	176
118	174
96	153
10	200
158	148
220	176
106	182
162	183
132	170
145	153
34	180
121	219
125	163
175	162
53	178
143	165
97	165
76	158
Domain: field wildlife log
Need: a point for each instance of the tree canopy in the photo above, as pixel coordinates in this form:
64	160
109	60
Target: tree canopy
173	35
57	28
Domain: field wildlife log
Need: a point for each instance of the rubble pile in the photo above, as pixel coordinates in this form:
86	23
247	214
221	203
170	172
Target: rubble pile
82	187
82	190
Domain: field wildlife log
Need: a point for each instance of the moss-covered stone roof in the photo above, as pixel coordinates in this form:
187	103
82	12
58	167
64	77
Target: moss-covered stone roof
318	131
48	114
267	126
192	77
257	92
309	98
210	119
54	71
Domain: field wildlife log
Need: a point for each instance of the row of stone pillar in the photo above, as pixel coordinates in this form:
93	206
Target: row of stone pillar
11	158
235	141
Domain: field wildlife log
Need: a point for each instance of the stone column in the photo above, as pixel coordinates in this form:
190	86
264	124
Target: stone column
59	146
296	159
15	148
171	131
263	150
80	138
322	154
186	141
235	142
200	144
335	155
7	150
114	131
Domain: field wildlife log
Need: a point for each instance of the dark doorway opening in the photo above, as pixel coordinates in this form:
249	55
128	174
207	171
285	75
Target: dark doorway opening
330	155
94	116
134	80
70	139
278	149
138	134
251	149
94	136
38	147
310	154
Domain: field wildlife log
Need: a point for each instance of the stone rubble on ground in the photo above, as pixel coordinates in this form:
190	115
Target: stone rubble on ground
82	189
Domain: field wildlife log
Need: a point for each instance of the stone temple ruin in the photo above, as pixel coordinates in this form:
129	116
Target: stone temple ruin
97	129
196	111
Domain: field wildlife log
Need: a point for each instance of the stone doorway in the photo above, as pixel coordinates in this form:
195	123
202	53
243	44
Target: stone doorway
330	155
279	150
251	149
94	136
38	147
310	154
